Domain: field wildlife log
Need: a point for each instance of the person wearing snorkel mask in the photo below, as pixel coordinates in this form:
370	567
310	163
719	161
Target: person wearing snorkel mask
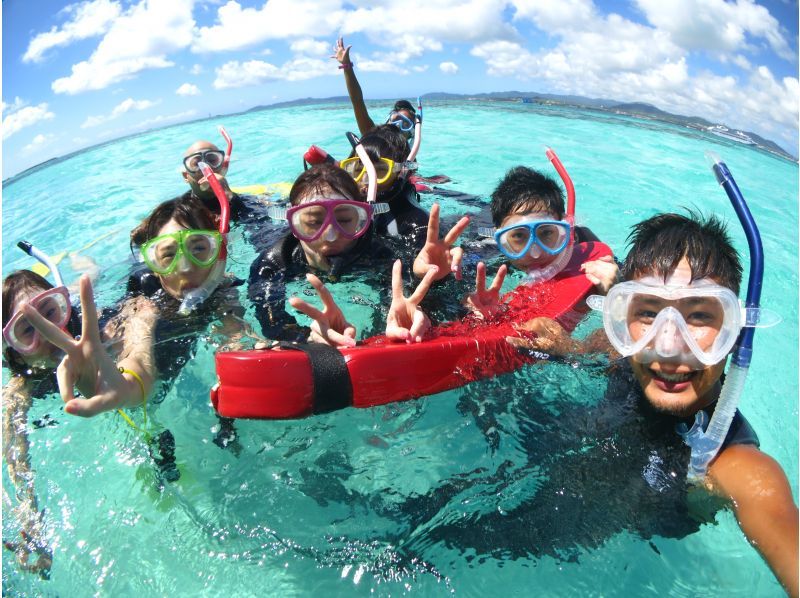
532	230
388	151
39	330
402	113
676	318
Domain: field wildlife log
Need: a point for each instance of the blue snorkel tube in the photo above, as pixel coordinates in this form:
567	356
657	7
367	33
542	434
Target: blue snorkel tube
706	444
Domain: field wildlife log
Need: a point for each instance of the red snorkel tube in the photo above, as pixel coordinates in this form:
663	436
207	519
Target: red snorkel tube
193	298
229	141
562	172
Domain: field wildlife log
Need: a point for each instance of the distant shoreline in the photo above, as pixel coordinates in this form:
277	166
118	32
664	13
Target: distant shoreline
635	110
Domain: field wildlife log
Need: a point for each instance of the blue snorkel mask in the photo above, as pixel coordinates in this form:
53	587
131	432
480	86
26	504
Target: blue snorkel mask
705	442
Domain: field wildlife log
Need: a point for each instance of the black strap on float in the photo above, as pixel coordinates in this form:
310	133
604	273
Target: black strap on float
329	376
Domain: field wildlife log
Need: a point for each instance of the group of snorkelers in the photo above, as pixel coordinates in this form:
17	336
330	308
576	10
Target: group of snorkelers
671	309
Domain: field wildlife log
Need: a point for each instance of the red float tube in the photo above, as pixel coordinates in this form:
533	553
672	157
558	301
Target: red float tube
280	383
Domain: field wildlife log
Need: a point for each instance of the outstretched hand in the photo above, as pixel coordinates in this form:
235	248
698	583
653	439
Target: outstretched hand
341	53
405	320
440	252
86	364
484	302
329	326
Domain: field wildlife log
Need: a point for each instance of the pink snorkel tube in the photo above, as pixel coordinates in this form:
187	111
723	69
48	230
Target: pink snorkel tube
229	141
417	132
195	297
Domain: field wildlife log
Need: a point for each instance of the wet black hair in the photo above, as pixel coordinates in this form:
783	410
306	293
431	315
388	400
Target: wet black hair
523	187
404	105
186	210
385	141
659	243
323	178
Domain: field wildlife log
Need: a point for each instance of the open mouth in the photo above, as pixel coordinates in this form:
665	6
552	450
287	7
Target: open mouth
673	382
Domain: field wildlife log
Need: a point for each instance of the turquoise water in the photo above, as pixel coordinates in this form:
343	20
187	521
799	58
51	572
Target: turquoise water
317	504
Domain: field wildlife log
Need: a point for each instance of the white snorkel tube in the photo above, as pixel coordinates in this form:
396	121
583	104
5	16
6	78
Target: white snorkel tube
706	442
372	185
44	259
412	155
227	160
195	297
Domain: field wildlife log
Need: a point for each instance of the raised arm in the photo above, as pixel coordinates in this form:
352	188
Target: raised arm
764	507
342	54
16	403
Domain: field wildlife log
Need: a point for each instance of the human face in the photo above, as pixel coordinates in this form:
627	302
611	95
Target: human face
187	275
196	180
42	353
532	260
677	387
330	242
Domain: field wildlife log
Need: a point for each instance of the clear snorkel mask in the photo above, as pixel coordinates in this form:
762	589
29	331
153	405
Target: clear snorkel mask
695	323
541	236
195	297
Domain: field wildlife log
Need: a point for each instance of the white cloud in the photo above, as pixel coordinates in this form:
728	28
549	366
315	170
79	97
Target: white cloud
448	68
420	68
23	117
37	143
89	19
717	24
255	72
196	69
310	47
120	109
187	89
164	119
238	27
138	40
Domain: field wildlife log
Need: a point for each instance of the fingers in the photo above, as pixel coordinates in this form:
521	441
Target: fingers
397	333
66	378
456	254
341	340
419	326
397	280
47	329
90	407
306	308
423	287
455	232
90	329
480	278
433	224
323	292
499	278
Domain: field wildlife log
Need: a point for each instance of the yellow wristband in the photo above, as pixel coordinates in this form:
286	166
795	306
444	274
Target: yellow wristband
138	378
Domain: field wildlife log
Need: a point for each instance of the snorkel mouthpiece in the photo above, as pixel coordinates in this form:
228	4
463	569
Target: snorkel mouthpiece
42	257
706	442
195	297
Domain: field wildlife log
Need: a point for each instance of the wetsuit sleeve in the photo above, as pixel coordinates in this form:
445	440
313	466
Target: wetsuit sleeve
266	291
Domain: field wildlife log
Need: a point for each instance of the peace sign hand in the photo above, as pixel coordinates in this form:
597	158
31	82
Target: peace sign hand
86	363
341	53
405	320
484	303
329	326
440	252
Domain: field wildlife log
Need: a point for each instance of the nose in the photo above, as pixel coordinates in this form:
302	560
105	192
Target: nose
330	234
668	340
535	251
184	265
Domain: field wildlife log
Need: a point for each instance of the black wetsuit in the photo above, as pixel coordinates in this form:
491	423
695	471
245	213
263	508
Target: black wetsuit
590	473
285	261
246	211
405	219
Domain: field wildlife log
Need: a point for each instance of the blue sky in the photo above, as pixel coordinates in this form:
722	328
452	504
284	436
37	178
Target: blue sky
78	74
